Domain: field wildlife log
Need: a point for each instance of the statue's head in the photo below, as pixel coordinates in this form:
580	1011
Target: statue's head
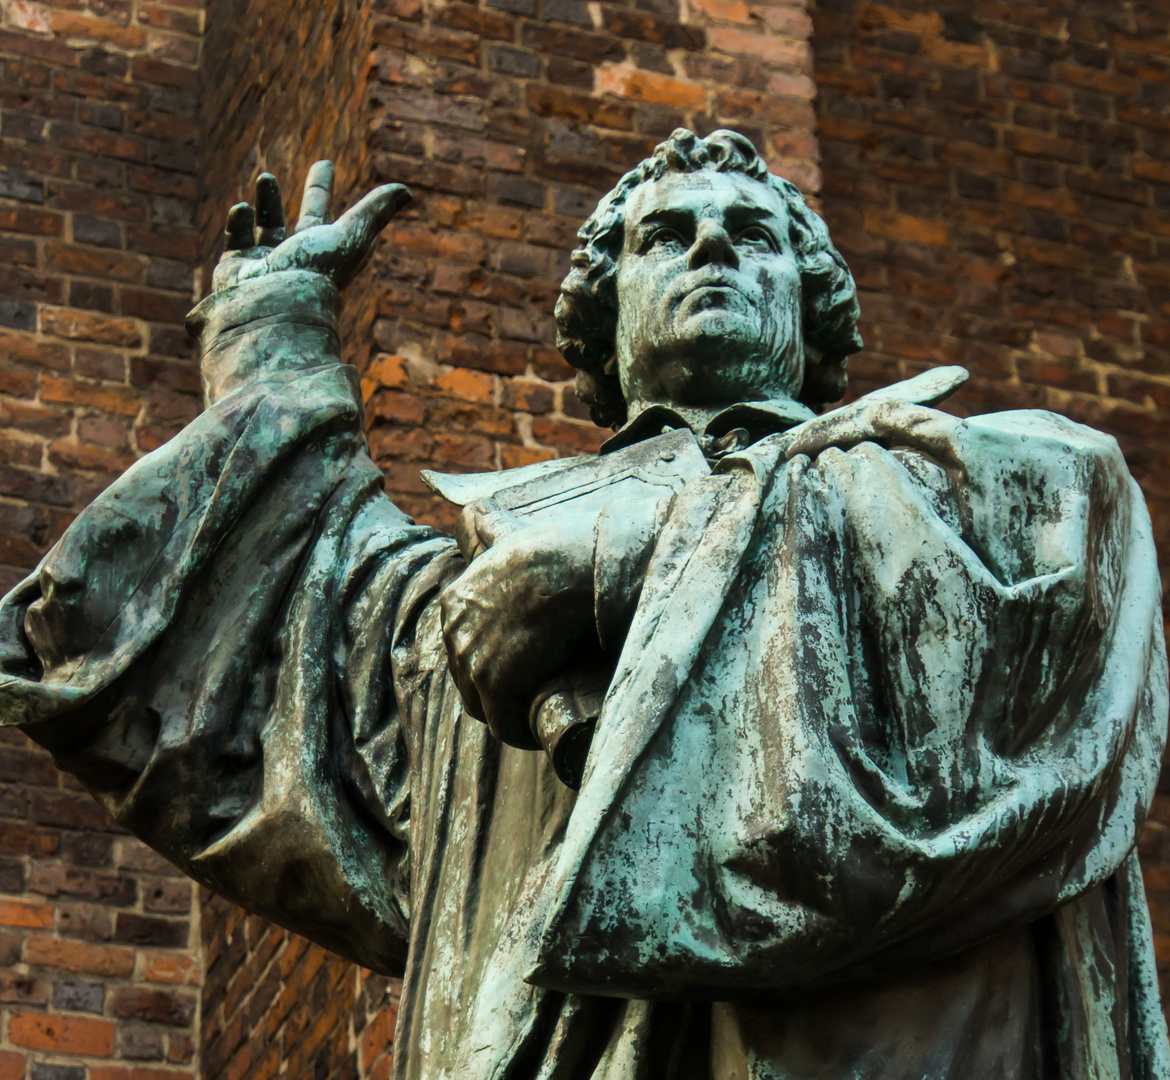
703	280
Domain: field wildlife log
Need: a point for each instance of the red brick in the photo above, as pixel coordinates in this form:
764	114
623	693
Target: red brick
482	355
378	1036
156	71
176	969
93	28
11	1065
62	1034
17	840
564	435
469	417
88	326
121	206
562	41
583	108
396	408
31	916
153	1006
166	18
906	227
650	86
468	385
155	306
83	958
725	10
31	220
93	263
494	25
27	350
453	46
643	26
788	55
115	399
78	456
180	1049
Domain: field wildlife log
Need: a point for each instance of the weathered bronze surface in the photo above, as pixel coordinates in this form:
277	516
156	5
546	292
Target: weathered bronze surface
865	709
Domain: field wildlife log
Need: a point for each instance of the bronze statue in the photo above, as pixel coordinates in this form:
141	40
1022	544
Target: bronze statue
813	746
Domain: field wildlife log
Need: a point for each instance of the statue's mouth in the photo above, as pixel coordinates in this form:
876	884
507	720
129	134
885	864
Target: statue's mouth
711	291
697	281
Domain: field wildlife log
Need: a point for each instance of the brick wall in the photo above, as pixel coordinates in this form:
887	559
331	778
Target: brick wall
998	177
99	950
98	197
276	1005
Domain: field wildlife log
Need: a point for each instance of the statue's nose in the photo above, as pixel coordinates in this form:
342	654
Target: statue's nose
712	245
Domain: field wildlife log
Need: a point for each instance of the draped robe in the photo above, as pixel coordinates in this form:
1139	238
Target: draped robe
861	803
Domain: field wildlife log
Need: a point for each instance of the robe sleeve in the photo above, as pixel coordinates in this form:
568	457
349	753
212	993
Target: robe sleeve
225	646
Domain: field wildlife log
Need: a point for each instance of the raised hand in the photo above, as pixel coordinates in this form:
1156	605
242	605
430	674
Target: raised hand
895	416
256	243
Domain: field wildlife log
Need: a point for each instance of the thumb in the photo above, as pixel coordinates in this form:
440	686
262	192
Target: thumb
360	226
481	525
341	249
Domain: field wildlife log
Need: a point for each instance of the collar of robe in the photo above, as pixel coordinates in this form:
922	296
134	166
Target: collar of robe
720	433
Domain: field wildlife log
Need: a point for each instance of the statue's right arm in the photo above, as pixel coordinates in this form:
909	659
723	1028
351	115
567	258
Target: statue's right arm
233	645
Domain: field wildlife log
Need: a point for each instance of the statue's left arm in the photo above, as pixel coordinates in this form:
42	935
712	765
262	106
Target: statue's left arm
232	645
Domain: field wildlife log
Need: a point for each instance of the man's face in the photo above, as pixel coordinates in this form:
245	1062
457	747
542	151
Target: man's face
708	293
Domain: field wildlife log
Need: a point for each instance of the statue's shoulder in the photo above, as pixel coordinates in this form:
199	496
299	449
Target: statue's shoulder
1041	431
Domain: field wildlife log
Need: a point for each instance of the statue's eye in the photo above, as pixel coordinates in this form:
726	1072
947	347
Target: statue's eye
664	237
756	235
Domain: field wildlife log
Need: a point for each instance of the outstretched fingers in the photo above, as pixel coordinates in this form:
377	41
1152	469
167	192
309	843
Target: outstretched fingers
341	249
269	211
893	424
358	228
317	201
240	232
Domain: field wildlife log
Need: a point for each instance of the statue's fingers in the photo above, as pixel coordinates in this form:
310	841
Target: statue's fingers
227	270
339	250
360	225
467	533
269	210
372	214
317	201
458	640
842	431
240	233
465	683
901	415
916	427
493	523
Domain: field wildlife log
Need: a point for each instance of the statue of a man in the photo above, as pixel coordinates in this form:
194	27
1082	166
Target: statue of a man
885	691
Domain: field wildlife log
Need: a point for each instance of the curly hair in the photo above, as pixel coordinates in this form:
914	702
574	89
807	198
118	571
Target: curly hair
587	308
